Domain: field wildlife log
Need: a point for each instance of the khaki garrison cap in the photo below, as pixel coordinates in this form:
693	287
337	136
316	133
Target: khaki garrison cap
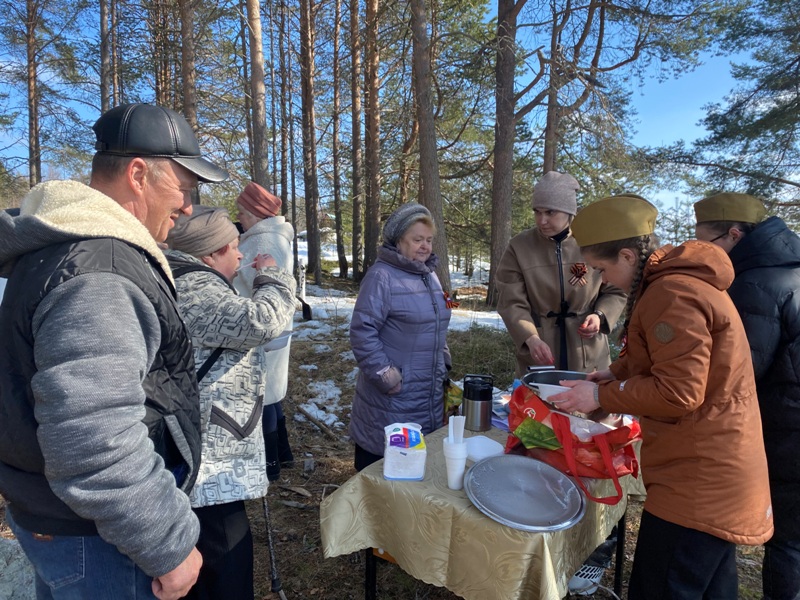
730	206
614	218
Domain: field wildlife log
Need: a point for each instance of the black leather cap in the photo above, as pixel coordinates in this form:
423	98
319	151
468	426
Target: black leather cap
149	130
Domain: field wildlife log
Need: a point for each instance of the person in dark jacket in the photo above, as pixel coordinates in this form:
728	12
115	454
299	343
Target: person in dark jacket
398	335
99	415
766	291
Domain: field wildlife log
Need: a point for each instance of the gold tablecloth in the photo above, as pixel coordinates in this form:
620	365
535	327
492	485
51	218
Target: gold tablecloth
438	536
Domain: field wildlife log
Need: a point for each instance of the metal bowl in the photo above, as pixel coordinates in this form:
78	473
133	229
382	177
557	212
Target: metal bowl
550	377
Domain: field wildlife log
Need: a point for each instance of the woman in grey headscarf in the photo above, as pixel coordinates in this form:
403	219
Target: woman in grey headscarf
398	336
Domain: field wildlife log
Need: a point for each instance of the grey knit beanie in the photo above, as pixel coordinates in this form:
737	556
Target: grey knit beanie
401	219
207	230
556	191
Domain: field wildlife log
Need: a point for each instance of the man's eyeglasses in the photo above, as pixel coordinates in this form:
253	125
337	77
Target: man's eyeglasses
721	235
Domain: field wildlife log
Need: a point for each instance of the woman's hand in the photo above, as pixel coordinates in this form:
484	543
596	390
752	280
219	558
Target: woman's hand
393	377
604	375
265	260
540	351
581	398
590	326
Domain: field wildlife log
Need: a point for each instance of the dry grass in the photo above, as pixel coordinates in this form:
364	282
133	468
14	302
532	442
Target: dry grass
323	463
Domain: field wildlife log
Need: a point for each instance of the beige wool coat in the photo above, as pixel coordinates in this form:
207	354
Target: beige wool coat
532	274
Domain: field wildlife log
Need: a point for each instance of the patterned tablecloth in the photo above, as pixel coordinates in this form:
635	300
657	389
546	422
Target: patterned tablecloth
438	536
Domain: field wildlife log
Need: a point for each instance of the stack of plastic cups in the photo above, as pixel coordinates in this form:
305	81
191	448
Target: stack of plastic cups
455	453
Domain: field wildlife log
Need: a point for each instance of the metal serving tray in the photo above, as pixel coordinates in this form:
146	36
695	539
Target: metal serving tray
524	493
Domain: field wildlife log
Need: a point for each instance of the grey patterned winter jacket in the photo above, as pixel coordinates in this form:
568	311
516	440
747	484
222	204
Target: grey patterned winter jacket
233	464
398	334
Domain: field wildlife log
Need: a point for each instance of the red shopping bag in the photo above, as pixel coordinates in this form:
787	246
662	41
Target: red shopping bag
599	451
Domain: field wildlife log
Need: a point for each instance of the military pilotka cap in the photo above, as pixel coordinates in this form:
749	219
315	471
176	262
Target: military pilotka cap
730	206
614	218
153	131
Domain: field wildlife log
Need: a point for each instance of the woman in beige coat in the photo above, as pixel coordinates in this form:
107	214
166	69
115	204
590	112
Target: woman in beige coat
557	310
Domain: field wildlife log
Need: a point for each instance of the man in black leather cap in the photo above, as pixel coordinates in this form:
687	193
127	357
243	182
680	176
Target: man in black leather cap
99	426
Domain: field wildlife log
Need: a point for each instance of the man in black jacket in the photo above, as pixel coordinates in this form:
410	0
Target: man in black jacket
99	415
766	291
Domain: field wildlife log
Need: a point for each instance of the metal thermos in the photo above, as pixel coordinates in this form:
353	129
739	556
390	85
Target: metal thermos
476	404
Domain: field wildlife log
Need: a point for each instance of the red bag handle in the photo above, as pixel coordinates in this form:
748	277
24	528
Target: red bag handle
561	428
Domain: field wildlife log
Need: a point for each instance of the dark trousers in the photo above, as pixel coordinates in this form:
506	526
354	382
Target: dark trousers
363	459
677	563
781	571
226	545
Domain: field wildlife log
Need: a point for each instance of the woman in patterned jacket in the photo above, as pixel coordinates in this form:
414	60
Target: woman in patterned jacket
226	330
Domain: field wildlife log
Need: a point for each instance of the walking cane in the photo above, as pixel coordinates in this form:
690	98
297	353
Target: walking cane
273	568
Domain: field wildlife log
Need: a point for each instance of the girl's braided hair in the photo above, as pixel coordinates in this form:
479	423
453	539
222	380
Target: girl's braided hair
644	246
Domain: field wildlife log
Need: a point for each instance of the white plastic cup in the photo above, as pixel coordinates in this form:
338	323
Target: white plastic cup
455	456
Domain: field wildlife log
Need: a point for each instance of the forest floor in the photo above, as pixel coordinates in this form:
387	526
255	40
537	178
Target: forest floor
323	462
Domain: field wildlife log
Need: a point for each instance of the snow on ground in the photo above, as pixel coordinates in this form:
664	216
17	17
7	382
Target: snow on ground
326	303
325	397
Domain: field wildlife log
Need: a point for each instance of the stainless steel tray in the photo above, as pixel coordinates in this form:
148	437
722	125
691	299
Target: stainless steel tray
524	493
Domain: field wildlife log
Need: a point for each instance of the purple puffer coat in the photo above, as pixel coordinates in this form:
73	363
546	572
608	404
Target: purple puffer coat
400	320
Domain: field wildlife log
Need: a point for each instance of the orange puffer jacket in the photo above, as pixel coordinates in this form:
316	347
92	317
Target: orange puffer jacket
688	374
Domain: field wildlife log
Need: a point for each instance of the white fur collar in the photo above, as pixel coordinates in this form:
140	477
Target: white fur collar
81	211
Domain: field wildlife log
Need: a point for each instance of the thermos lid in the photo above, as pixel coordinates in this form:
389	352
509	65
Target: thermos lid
478	387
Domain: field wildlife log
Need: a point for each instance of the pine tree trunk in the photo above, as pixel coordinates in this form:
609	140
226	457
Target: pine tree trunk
187	63
105	59
337	177
429	183
283	35
273	92
309	138
248	119
372	146
258	93
116	83
502	177
34	147
356	157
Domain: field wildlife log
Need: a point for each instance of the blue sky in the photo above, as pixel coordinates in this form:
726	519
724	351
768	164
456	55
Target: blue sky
670	110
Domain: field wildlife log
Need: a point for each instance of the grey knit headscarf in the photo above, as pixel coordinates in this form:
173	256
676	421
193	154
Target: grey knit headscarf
557	191
207	230
401	219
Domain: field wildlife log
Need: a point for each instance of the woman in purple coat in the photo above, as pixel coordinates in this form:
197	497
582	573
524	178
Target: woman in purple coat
398	335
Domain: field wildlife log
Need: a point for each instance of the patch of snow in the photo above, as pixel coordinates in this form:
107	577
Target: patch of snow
324	396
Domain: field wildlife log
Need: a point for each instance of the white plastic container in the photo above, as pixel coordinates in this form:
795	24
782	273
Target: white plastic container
405	452
480	447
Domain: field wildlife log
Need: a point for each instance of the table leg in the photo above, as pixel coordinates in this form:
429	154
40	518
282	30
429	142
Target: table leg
370	578
620	559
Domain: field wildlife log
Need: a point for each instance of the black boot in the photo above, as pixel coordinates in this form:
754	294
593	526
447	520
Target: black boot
271	450
285	455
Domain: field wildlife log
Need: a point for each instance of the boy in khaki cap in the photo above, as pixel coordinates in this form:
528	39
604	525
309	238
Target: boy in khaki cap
685	370
766	257
726	218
